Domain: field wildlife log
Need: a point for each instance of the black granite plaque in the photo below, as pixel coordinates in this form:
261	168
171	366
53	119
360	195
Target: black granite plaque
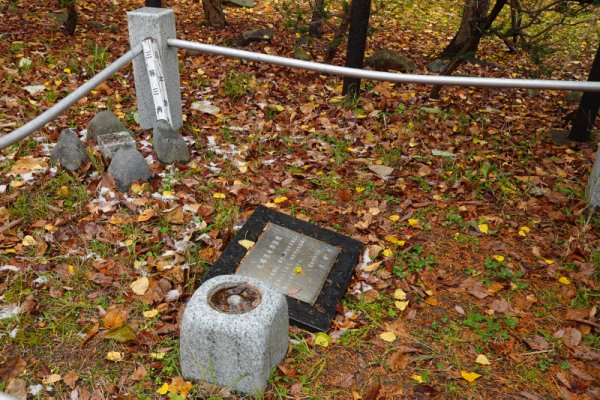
309	264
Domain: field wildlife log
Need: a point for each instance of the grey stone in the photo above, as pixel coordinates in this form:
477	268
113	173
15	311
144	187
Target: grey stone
159	24
104	122
97	25
110	143
592	192
437	65
254	36
388	60
559	137
170	147
127	167
239	3
69	150
233	348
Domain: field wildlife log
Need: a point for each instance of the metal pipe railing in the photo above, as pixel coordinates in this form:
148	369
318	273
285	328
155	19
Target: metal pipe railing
388	76
72	98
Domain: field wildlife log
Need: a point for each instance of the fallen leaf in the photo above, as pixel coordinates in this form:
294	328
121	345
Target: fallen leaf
484	228
70	379
394	218
17	388
150	313
163	389
322	339
398	361
50	379
388	336
417	378
247	244
483	360
219	195
382	171
140	286
413	222
564	280
297	270
121	334
145	215
29	241
206	107
175	216
399	294
280	199
498	258
115	318
469	376
401	305
114	356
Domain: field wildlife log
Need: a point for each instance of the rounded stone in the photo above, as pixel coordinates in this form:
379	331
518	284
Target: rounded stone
234	331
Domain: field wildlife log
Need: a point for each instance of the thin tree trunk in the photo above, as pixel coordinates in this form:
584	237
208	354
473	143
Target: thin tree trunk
474	41
213	13
339	33
360	10
72	17
474	16
316	22
581	131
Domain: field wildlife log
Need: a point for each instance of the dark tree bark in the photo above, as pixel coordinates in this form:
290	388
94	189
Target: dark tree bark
585	118
316	22
340	32
71	23
213	13
468	36
153	3
453	65
360	10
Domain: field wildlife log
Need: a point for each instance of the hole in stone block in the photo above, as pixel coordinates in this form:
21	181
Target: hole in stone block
232	298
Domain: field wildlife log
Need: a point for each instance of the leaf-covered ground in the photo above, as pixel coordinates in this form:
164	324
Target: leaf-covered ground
481	275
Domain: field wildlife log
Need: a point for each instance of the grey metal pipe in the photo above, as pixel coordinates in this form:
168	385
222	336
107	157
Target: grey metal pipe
72	98
387	76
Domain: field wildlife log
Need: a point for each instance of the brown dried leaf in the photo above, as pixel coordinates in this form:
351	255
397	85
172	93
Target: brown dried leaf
70	379
398	361
115	318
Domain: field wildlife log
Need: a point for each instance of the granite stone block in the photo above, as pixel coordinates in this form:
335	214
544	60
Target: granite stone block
104	122
231	345
69	150
159	24
110	143
127	167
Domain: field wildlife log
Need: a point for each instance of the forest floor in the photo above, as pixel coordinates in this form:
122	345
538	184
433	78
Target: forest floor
481	274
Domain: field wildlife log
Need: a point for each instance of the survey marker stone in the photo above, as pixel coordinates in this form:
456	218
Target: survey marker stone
69	150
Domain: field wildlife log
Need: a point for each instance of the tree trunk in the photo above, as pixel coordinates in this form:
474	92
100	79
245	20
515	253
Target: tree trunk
453	65
360	10
213	13
581	131
72	17
340	32
469	33
316	22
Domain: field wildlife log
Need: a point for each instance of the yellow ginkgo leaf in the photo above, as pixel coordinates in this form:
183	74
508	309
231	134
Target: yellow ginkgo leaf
322	339
399	294
525	229
417	378
469	376
387	252
115	356
394	218
50	379
163	389
522	233
247	244
158	356
413	221
218	195
484	228
29	241
63	191
401	305
388	336
150	313
548	261
483	360
297	269
498	258
564	280
359	189
280	199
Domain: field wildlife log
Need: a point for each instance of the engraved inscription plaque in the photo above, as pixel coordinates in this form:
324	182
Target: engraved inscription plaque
311	265
293	263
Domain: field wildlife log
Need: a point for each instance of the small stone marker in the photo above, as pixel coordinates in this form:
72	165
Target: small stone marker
170	147
104	122
592	192
69	150
127	167
110	143
233	333
312	266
